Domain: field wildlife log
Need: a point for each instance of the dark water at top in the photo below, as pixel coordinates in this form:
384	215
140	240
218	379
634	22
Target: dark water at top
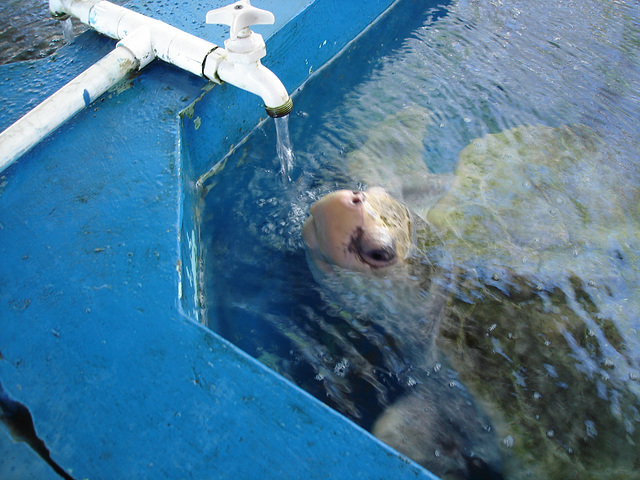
29	32
557	372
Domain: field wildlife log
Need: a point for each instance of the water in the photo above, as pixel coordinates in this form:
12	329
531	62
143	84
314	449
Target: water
440	80
401	119
67	30
284	148
28	32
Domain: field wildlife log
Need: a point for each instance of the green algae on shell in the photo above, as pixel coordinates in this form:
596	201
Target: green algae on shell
541	226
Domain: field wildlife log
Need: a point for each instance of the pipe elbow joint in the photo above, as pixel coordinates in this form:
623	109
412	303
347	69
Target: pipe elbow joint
261	81
81	9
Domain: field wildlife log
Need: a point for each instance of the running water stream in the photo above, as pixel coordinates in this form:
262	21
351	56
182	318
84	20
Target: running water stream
283	147
67	30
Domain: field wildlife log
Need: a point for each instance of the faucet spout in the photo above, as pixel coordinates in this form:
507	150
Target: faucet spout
239	62
259	80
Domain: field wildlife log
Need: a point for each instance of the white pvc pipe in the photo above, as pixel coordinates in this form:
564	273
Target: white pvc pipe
65	103
170	44
141	40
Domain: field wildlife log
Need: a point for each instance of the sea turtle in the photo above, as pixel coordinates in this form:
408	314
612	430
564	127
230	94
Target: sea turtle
519	271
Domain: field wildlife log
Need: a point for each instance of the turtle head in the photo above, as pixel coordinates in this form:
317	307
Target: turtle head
358	231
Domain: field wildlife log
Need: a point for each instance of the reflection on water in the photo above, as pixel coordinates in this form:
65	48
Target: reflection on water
512	127
28	32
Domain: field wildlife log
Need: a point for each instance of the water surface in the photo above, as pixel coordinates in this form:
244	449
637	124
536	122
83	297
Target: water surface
411	95
29	32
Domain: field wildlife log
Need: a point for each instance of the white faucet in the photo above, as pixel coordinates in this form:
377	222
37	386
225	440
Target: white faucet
141	40
241	65
147	38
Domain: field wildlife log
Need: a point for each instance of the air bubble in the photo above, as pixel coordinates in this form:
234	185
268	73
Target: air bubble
341	368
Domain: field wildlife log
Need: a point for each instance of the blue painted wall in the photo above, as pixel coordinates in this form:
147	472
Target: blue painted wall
98	337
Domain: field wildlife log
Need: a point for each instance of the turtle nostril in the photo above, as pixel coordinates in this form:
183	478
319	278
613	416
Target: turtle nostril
358	197
379	257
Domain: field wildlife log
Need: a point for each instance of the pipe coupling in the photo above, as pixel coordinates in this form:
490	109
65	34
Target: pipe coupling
281	111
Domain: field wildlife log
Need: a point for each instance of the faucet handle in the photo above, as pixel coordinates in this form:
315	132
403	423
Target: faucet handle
240	16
